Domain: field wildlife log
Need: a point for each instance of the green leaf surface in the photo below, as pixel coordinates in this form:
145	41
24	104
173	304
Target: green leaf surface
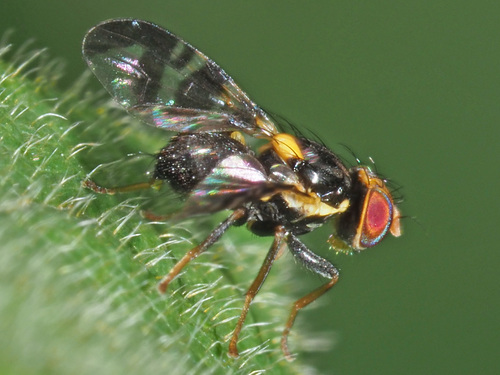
78	271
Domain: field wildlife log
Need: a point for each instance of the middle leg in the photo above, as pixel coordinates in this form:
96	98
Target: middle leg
279	241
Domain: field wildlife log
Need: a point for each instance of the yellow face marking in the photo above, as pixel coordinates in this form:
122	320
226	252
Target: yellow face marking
311	205
286	146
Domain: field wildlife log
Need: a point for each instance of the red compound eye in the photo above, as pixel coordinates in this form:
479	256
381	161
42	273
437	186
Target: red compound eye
376	217
371	215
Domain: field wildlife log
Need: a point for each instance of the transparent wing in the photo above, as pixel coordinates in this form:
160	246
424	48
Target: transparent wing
189	120
235	181
167	82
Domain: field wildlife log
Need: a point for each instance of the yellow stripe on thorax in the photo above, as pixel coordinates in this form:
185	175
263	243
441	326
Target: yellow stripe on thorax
311	204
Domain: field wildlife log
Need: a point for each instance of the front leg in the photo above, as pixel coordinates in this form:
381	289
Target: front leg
318	265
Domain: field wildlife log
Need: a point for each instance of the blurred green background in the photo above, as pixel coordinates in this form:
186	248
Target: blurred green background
415	85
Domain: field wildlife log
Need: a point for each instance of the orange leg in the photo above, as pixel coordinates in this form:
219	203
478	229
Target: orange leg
277	245
122	189
154	183
194	252
299	304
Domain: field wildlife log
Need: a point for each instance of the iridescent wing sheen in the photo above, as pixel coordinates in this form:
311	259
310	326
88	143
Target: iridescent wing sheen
235	181
168	83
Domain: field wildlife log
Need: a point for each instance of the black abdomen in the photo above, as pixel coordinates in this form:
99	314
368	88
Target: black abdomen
188	158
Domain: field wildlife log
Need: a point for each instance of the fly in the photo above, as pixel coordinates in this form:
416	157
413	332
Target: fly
286	188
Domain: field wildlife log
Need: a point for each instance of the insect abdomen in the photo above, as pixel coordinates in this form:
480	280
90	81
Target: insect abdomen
188	158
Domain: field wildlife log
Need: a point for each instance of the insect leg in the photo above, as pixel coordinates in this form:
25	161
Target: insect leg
155	183
194	252
279	241
316	264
